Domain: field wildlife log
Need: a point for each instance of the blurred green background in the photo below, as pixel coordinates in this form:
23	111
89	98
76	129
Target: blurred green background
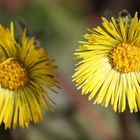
58	25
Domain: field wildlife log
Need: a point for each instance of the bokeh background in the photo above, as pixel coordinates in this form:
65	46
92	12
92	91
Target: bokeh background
58	25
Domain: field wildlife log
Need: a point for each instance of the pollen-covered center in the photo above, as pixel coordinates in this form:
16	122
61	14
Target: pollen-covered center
125	57
12	75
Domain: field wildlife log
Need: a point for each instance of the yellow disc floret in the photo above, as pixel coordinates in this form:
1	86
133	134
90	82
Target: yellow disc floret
12	74
125	57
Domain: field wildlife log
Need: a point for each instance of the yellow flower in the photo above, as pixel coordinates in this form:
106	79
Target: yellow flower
109	64
25	74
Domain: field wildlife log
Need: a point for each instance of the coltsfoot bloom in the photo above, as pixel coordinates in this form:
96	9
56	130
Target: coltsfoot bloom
108	67
25	74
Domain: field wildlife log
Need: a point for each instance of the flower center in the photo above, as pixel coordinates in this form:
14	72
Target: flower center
12	74
125	57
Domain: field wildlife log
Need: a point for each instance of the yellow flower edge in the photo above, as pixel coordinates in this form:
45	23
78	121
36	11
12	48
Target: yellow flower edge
26	77
108	64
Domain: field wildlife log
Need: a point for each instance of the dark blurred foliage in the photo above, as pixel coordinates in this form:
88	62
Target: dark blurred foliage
58	25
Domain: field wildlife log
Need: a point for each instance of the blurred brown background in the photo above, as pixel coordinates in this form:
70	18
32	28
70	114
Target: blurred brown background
59	25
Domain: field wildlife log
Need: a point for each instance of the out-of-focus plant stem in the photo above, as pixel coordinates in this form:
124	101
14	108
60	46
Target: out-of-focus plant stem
126	124
5	134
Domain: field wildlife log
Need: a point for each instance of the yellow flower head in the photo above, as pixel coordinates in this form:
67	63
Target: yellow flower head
109	64
25	74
